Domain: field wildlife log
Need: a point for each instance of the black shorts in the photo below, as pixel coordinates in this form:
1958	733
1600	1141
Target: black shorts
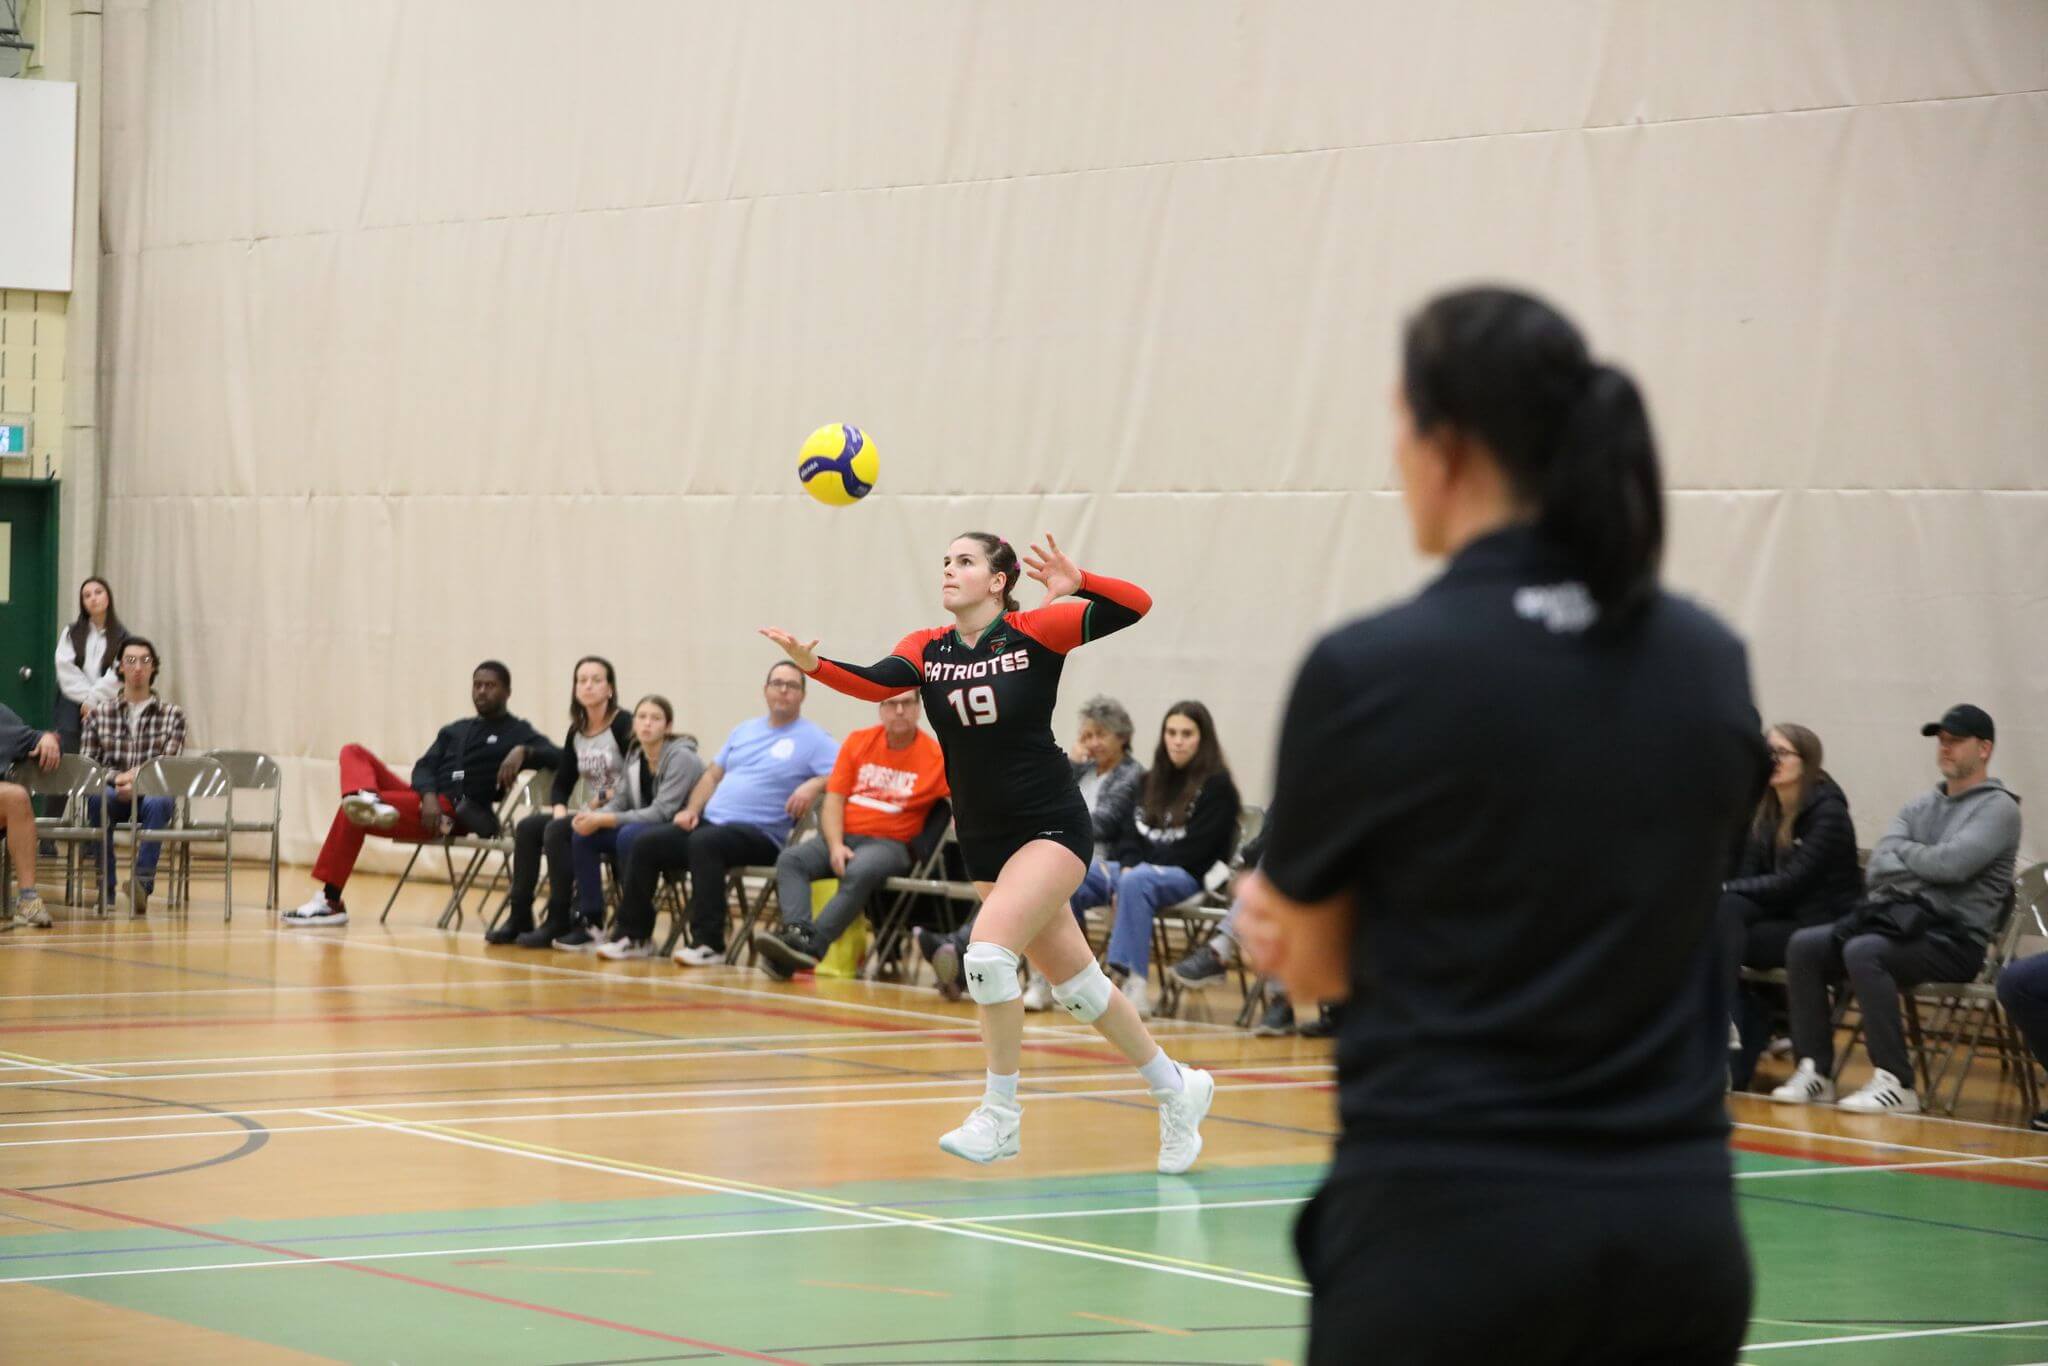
987	851
1449	1267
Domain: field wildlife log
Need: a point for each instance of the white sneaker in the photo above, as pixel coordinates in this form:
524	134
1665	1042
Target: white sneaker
364	809
617	949
317	912
29	910
1180	1119
990	1134
1883	1094
1734	1037
698	956
1138	991
1807	1087
1038	994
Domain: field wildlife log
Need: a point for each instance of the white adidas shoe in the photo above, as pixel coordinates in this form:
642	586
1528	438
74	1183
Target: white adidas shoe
697	956
623	948
990	1134
1883	1094
1807	1087
1180	1119
318	912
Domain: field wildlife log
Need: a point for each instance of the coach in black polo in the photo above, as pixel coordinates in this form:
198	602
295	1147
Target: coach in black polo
1519	791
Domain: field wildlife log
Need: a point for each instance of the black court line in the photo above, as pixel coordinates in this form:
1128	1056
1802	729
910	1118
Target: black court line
1899	1218
254	1137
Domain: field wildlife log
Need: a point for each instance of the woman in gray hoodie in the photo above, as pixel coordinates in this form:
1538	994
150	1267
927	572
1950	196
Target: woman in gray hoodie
659	774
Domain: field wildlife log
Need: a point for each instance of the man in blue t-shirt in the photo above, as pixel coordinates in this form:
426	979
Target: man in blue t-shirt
766	776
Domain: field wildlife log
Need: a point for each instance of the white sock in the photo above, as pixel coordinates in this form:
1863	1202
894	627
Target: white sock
1002	1090
1162	1073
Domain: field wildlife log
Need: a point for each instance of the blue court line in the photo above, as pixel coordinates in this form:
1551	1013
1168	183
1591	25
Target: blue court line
656	1219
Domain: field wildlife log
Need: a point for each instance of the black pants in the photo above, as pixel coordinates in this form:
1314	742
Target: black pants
709	852
2023	991
544	831
1755	936
1408	1268
1878	968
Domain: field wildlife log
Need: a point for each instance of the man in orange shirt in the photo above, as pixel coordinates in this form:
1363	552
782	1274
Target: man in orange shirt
883	797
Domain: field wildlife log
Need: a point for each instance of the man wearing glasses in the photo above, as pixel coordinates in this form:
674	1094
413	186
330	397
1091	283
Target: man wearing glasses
763	781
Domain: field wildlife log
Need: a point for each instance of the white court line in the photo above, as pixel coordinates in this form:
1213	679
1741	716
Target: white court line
282	989
869	1045
65	1072
971	1092
820	1207
1032	1216
800	1086
1851	1168
1861	1142
1894	1337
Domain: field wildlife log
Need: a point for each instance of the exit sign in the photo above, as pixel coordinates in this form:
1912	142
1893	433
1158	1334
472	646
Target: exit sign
13	437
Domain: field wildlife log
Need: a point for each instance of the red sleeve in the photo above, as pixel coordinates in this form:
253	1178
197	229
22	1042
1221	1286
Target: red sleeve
903	669
1101	606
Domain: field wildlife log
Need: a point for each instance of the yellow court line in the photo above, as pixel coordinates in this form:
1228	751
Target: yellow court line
50	1064
1133	1323
739	1187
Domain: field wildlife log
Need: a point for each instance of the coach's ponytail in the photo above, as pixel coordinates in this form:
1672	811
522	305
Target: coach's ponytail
1572	436
1002	559
1603	497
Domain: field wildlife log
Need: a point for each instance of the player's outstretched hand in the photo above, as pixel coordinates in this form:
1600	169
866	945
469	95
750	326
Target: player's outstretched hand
805	657
1054	568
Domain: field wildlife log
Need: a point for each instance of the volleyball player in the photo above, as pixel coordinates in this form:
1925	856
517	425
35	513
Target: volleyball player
1501	816
989	683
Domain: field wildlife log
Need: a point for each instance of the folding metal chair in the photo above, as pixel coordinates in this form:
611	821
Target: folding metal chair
185	778
926	879
1198	915
765	905
480	849
74	778
254	772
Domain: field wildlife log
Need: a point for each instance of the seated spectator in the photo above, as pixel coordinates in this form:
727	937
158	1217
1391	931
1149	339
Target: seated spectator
599	736
20	742
1796	869
661	771
1937	885
763	781
2023	991
454	790
887	793
88	661
1183	824
136	727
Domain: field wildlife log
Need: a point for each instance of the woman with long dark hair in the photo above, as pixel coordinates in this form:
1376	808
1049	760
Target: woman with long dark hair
88	656
1183	824
1501	816
1796	868
990	682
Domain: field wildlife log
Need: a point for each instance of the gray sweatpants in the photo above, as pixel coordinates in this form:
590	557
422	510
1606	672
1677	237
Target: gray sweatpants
874	862
1878	969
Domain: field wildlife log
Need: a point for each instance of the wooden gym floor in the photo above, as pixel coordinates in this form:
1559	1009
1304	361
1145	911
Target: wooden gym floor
392	1144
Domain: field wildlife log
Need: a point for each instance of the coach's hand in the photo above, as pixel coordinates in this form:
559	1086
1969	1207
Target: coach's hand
805	657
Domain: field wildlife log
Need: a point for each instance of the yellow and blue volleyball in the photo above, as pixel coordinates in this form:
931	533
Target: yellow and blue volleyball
838	465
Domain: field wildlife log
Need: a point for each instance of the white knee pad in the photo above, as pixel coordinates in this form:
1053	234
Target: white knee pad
1086	994
991	972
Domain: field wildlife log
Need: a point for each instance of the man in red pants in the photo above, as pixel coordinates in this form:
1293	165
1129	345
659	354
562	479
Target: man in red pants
454	790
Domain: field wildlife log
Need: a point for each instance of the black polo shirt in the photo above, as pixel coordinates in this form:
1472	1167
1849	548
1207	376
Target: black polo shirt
1533	818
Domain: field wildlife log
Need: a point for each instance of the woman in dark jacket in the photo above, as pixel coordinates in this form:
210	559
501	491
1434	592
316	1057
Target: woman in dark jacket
1796	868
593	752
1183	824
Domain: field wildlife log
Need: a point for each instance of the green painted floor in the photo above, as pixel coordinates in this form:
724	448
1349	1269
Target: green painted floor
1111	1268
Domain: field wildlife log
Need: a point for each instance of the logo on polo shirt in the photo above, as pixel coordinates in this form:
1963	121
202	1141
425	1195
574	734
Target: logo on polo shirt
1562	608
782	748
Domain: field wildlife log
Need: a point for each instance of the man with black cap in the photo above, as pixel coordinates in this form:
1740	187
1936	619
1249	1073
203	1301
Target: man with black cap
1936	885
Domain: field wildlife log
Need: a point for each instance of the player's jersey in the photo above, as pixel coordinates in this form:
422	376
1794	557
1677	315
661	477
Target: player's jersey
991	704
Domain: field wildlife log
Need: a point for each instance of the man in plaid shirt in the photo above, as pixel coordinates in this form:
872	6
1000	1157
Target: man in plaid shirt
123	735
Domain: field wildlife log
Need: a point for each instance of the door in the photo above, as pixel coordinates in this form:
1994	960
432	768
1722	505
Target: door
28	598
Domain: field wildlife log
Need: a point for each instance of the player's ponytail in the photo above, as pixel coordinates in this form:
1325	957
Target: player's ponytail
1002	559
1572	436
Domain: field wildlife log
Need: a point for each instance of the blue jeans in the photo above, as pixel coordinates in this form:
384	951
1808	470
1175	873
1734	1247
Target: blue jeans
1097	888
1140	891
156	814
588	851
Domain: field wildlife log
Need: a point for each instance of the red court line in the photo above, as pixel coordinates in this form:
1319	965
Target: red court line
1976	1174
402	1278
268	1021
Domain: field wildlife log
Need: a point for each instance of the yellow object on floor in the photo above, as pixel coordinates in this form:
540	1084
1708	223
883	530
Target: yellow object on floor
843	958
